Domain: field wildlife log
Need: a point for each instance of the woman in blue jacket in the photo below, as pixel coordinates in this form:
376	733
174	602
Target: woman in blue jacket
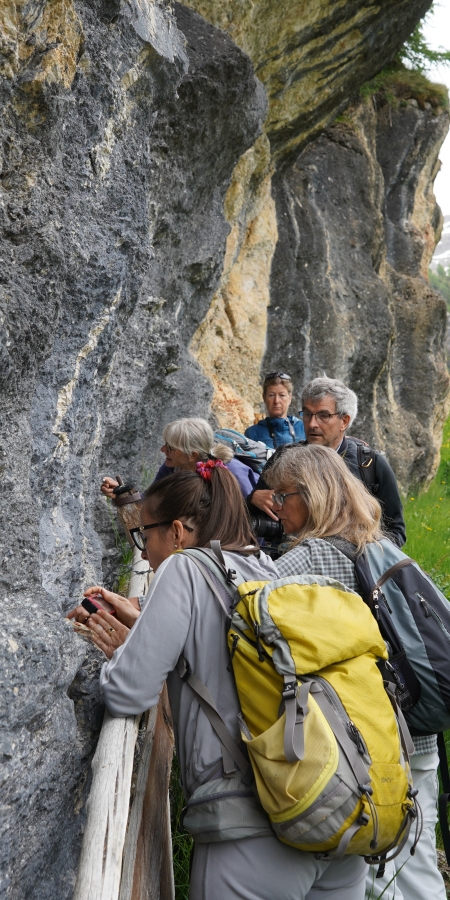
277	428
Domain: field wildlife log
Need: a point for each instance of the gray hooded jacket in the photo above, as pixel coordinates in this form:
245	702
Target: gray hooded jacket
182	616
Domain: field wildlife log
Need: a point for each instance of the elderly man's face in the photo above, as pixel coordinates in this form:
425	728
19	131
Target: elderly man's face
322	424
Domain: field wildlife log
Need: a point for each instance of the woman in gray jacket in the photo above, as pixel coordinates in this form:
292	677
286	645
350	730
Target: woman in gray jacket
183	618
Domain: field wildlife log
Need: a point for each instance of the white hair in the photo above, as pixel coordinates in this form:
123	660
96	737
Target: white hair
195	436
346	400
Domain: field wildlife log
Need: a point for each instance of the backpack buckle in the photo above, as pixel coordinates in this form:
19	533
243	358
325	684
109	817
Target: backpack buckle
184	669
290	690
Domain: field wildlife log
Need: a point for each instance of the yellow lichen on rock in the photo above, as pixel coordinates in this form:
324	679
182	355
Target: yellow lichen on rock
305	54
42	42
230	342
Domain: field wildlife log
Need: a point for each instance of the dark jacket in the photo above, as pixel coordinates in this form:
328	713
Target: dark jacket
385	488
285	431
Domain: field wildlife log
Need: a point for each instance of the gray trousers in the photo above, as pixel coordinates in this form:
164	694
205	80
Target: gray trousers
265	869
415	877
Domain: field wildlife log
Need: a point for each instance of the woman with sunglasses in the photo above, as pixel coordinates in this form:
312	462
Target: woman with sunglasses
182	620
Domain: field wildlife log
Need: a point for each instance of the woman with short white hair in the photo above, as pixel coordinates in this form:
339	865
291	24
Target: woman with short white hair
189	441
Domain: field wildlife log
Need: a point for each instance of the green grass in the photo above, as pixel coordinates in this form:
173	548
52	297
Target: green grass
427	517
182	842
396	84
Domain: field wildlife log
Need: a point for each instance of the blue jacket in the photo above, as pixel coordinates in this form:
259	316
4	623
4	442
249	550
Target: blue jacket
260	431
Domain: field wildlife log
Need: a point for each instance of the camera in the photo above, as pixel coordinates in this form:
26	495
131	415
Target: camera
95	602
265	527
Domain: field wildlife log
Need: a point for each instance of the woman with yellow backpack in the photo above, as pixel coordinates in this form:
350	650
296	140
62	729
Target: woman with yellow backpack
330	517
181	635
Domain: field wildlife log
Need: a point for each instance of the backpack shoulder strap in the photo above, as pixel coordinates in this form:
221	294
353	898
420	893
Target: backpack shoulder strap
366	464
346	547
223	589
230	750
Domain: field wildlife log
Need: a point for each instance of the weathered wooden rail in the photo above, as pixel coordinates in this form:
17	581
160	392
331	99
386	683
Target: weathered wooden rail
126	852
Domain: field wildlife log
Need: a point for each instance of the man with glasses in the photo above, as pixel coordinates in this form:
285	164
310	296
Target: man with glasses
328	410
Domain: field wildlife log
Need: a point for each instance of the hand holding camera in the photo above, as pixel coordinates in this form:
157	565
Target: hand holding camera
98	599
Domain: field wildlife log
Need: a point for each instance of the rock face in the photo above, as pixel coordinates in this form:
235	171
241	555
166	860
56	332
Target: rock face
310	56
150	223
113	240
357	223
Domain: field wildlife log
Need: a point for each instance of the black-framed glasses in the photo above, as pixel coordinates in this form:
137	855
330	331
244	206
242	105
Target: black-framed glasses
322	416
278	375
279	499
139	538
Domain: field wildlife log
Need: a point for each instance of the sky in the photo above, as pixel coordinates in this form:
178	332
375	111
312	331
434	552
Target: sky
436	30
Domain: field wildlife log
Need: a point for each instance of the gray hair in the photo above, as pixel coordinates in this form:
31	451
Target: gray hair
195	436
346	400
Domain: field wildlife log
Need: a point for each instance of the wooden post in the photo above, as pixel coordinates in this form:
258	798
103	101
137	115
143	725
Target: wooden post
147	866
100	865
145	846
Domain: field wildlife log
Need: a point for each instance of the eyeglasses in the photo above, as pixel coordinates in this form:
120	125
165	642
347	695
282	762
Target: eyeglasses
168	447
278	375
140	540
322	416
279	499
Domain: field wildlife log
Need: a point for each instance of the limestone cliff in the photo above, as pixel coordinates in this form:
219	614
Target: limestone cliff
311	56
155	196
358	222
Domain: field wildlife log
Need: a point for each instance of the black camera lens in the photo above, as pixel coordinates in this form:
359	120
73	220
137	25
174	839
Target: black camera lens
265	527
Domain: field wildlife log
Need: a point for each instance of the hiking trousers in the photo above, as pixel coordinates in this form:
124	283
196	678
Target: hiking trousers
415	877
265	869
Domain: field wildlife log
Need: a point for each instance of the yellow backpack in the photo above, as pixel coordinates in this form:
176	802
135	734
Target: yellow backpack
328	756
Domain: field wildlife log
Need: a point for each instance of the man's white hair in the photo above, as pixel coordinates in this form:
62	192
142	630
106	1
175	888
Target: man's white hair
319	388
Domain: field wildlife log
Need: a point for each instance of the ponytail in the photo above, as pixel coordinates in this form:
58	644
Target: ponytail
213	505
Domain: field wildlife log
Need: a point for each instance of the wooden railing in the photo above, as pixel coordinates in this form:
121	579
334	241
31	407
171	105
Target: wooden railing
126	852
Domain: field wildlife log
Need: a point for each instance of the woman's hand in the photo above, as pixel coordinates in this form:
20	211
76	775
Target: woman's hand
263	500
107	486
107	632
128	610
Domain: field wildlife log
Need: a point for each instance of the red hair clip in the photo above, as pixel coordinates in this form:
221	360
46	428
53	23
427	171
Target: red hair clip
204	468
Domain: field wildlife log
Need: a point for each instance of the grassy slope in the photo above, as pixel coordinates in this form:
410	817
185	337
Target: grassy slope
427	517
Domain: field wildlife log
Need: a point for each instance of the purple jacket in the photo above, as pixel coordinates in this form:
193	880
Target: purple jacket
247	478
